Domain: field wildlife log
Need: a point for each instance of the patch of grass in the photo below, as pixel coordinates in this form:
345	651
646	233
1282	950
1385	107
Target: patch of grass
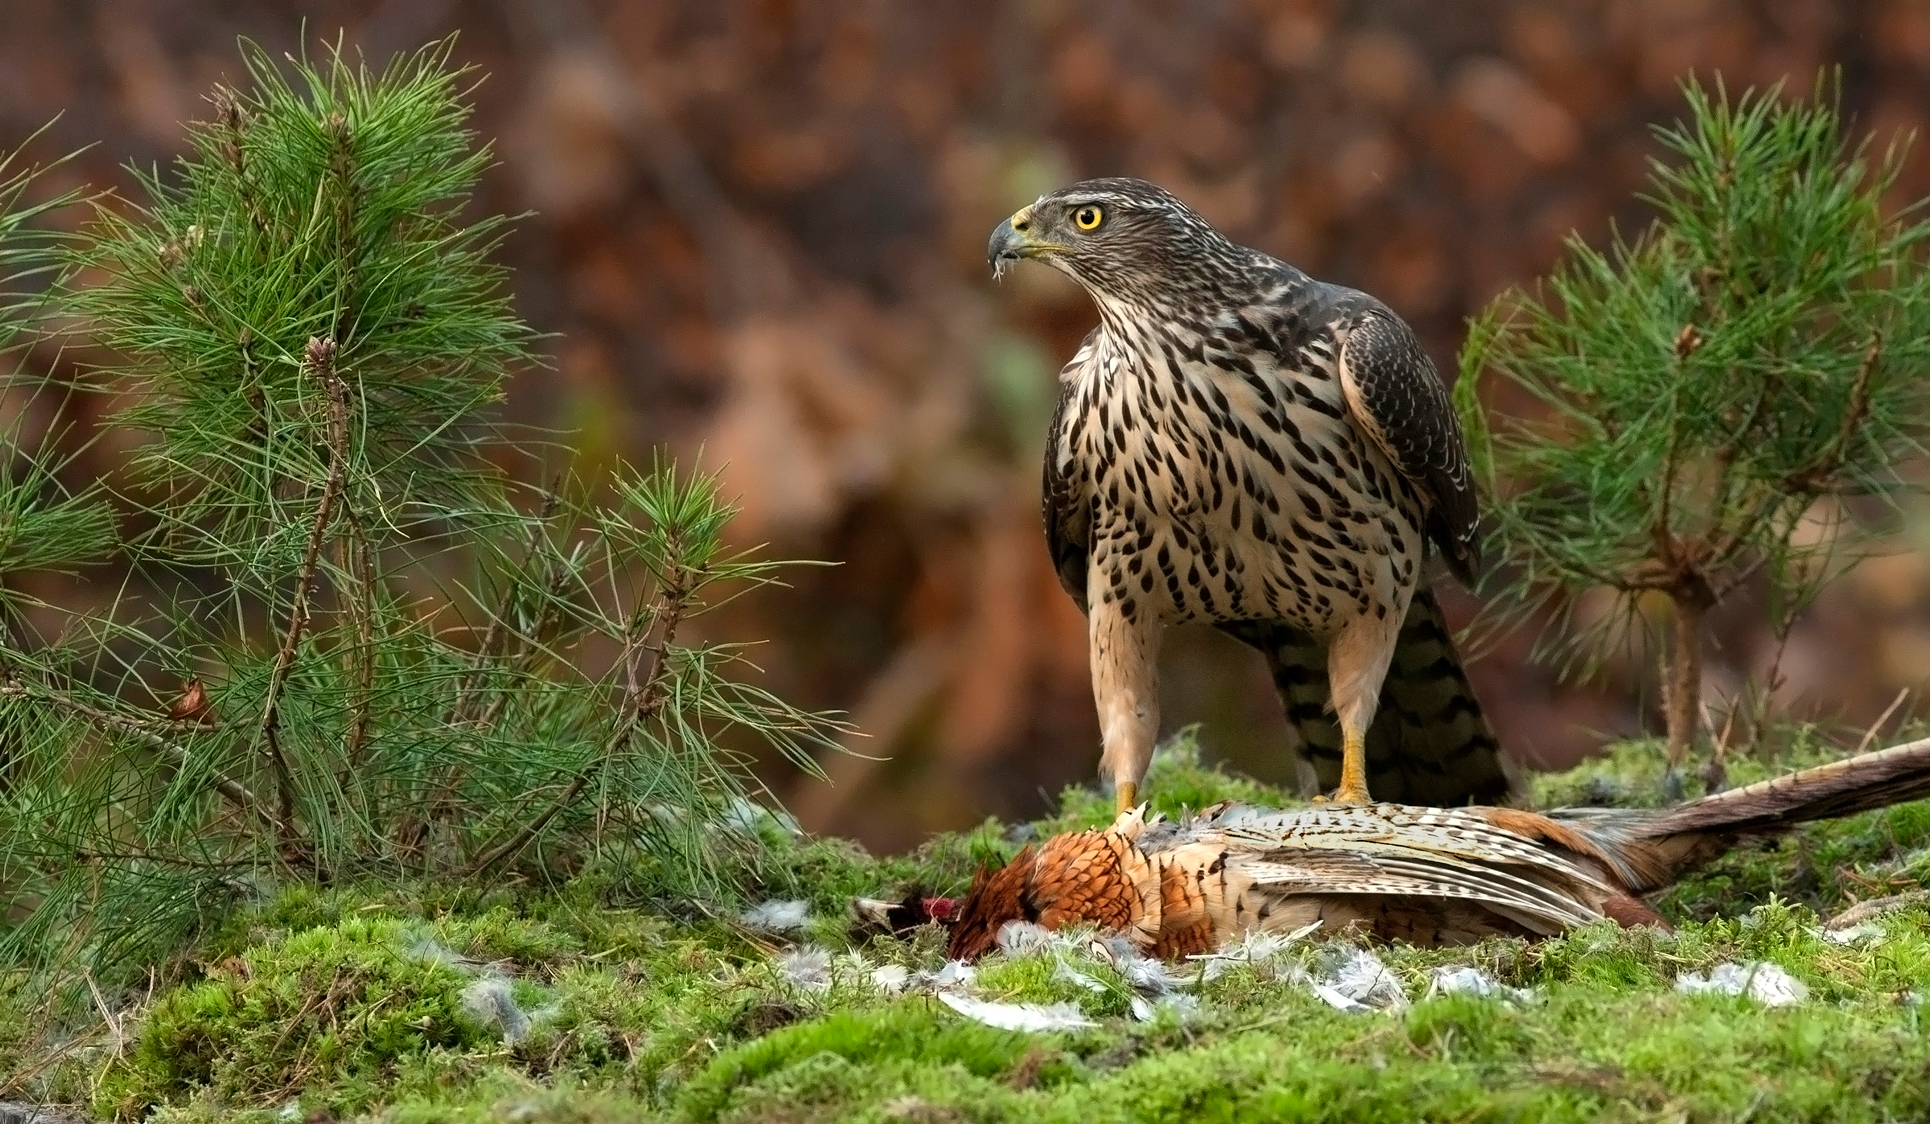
1179	781
647	1010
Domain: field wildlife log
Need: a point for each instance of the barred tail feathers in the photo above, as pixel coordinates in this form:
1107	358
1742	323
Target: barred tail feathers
1429	742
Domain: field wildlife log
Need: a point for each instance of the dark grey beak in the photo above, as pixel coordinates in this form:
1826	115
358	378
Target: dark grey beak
1006	247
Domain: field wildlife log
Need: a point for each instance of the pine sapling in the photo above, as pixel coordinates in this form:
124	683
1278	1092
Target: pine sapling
1747	362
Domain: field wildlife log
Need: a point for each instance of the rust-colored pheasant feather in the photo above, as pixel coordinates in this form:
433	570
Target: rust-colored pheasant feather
1431	876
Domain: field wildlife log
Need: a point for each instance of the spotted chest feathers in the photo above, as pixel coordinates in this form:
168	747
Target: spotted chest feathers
1224	484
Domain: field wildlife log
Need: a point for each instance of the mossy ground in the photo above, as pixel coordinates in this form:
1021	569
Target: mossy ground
418	1003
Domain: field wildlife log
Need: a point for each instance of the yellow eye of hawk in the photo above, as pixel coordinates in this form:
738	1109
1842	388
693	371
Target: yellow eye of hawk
1088	217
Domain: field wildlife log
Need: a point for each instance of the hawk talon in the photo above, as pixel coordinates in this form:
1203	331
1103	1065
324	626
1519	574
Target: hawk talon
1125	795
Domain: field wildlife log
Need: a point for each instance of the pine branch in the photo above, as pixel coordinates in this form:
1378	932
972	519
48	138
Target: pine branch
320	362
315	228
643	699
1701	383
149	734
539	527
1811	477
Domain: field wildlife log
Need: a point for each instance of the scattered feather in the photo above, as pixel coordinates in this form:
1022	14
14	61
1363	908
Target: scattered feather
1184	1007
955	974
748	816
1339	1001
1469	980
891	978
1065	971
1855	934
1764	982
777	917
1030	1017
435	952
492	1001
1025	938
1359	975
807	967
1256	948
1141	972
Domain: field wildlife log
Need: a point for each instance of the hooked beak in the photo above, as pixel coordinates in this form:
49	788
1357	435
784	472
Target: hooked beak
1013	242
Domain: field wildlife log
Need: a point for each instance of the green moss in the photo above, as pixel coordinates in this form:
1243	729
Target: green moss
330	1009
644	1010
833	1052
1096	989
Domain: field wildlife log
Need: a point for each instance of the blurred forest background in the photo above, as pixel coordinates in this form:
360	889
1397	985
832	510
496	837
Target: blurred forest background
758	232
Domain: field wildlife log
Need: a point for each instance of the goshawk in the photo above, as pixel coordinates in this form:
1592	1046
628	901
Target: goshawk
1239	444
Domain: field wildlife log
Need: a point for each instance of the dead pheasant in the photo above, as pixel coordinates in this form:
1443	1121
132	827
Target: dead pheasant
1429	876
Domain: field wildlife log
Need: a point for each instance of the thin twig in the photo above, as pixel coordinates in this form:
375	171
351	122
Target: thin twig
356	550
321	360
468	684
1687	342
107	1016
1869	735
1813	476
92	854
1875	907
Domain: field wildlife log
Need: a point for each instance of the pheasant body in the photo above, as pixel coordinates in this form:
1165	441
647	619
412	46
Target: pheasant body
1429	876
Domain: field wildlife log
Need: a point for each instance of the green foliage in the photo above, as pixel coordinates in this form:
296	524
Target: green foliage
1704	386
639	1014
323	208
345	643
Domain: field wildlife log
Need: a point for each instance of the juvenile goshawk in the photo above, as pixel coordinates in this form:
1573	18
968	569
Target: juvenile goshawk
1239	444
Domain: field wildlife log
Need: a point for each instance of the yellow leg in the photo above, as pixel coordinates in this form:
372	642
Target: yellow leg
1126	794
1353	770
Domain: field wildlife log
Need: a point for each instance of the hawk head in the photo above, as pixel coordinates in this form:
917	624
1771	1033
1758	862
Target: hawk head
1122	239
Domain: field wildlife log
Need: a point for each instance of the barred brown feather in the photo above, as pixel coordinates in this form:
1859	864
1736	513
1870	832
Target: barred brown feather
1427	875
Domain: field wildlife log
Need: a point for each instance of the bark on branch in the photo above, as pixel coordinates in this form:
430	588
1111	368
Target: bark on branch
231	790
320	360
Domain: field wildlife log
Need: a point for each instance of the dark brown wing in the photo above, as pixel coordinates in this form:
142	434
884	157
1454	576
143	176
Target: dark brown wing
1068	513
1396	397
